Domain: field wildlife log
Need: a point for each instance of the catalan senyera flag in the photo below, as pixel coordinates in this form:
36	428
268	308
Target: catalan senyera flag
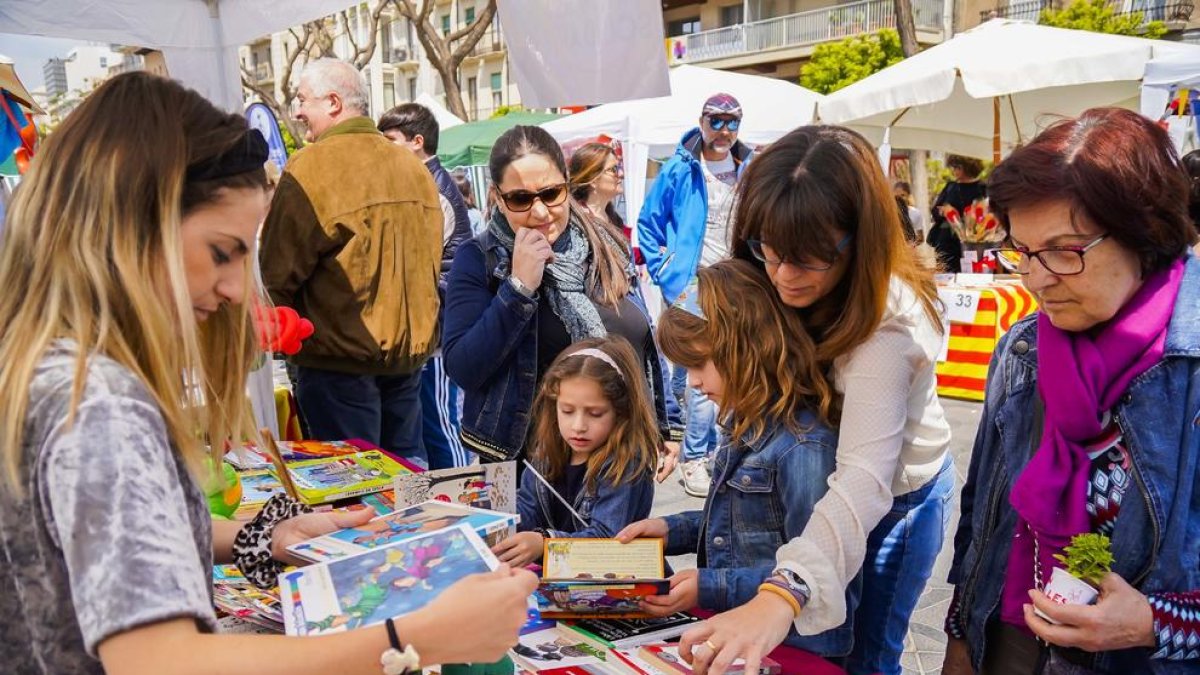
964	372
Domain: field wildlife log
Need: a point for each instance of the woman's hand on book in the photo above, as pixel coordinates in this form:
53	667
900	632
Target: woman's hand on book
309	525
521	549
684	595
651	527
475	620
748	632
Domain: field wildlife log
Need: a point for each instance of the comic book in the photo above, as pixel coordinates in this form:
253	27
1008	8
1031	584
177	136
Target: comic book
632	633
319	481
250	457
390	581
600	578
484	486
402	524
555	650
665	656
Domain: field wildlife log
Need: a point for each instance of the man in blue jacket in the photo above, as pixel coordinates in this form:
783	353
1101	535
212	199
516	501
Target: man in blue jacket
413	126
684	224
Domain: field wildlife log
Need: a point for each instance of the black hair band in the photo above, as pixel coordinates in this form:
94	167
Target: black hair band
247	155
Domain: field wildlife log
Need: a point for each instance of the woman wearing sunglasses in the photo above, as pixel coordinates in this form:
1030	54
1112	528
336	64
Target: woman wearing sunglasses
597	180
542	276
817	216
1092	416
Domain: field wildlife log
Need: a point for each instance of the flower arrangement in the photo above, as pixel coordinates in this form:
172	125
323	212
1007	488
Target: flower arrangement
976	224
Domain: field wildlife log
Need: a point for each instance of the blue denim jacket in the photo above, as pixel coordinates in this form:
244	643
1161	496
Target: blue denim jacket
762	496
489	347
607	509
1156	540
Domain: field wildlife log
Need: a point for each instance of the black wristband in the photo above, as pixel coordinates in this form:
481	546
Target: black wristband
393	637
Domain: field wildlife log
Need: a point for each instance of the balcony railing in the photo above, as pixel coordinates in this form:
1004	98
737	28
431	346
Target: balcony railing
1171	13
398	54
262	72
488	43
802	29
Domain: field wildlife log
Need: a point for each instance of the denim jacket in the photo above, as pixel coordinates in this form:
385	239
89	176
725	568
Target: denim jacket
1156	538
607	509
762	496
489	347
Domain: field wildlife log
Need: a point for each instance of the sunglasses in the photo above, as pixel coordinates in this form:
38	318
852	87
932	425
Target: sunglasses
756	250
520	201
719	123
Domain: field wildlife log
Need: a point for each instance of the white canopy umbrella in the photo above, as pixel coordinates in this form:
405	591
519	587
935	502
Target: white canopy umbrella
198	38
444	117
652	127
992	87
1163	77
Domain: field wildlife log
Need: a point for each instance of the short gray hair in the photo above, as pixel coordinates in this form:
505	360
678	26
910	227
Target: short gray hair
335	76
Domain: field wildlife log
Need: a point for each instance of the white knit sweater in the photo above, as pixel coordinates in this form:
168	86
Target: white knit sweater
893	440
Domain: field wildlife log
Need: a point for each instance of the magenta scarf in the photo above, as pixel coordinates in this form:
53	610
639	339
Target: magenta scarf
1080	377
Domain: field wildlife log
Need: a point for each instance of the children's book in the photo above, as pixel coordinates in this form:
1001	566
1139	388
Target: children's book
390	581
665	656
630	633
402	524
600	578
484	486
319	481
249	456
554	649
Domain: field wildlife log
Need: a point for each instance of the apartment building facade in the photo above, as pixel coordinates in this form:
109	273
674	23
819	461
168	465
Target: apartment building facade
399	70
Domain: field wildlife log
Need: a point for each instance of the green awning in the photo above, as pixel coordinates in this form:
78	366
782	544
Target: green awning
471	144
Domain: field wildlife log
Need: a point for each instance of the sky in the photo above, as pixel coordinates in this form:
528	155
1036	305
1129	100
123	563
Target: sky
29	52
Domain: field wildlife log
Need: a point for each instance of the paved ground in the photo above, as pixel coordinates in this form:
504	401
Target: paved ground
926	642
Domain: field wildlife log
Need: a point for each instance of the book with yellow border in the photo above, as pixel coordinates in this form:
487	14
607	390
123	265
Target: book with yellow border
600	578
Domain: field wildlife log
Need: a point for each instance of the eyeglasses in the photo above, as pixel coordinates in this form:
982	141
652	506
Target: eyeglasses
615	170
1063	261
520	201
719	123
756	250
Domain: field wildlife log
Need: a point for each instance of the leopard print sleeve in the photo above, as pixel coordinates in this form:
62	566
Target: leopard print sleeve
252	546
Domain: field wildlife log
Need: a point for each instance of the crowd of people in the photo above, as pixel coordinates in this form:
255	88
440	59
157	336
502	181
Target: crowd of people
794	362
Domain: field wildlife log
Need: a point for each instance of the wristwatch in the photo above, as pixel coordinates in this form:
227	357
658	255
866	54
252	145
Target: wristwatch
795	584
520	287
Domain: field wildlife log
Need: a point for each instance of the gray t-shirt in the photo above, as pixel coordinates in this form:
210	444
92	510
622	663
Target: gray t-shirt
111	532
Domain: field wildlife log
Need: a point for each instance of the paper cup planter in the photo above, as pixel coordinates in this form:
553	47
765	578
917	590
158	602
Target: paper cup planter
1066	589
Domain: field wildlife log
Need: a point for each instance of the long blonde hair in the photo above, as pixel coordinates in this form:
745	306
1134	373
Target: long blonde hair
92	242
631	450
758	345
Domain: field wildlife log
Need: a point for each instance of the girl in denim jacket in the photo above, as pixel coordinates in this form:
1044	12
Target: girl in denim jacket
596	443
751	355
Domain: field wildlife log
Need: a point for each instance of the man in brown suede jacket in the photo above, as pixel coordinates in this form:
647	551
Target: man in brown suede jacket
353	242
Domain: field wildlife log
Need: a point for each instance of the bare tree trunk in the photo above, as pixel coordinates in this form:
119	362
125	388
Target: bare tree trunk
907	27
446	52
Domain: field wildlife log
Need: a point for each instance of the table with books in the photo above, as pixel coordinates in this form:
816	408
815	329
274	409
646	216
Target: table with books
434	528
979	309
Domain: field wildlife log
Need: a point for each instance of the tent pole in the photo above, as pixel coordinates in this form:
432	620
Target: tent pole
995	129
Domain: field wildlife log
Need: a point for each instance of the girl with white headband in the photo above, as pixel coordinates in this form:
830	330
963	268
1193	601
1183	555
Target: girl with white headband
594	447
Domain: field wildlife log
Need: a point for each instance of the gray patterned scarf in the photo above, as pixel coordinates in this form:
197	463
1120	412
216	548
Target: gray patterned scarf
565	283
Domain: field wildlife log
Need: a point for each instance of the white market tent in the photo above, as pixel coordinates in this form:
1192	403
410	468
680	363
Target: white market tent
1163	77
652	127
444	117
992	87
199	40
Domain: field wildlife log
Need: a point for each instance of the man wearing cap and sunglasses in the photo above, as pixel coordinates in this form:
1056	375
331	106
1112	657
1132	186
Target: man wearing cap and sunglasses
684	224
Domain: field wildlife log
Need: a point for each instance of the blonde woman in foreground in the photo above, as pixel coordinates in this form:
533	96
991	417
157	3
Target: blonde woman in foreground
126	261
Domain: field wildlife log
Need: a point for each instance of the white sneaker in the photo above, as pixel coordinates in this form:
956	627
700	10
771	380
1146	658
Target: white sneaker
695	477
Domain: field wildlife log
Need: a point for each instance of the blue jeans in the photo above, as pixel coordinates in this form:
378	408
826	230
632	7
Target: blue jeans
382	409
901	551
441	413
700	417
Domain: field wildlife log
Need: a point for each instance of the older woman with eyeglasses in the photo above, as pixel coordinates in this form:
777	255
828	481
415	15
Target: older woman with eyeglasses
542	276
1092	417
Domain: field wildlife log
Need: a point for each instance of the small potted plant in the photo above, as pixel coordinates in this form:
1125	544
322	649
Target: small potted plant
1088	559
